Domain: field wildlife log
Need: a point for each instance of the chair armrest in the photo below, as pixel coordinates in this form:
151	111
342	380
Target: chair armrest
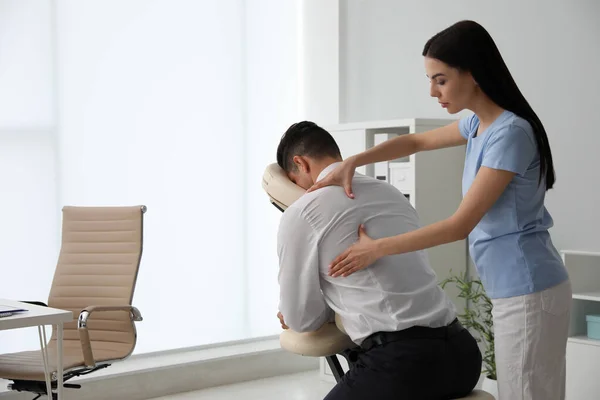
85	313
84	335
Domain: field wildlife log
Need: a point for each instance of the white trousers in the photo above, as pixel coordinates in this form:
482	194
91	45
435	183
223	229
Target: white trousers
530	335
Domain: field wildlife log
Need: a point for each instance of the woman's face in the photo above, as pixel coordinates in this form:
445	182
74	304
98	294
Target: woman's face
454	90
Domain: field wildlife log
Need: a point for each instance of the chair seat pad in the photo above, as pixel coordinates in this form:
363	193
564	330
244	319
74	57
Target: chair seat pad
326	341
29	366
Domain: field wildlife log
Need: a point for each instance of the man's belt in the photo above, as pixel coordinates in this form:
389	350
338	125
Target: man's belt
415	332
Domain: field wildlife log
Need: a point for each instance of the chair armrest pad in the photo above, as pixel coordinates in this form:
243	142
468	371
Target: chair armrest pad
91	309
135	313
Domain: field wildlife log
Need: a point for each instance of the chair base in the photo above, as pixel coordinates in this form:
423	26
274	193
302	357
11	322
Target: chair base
39	387
336	367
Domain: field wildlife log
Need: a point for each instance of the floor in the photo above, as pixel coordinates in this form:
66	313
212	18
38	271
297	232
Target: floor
301	386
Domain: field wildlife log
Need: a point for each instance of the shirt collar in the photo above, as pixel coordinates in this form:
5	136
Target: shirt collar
327	170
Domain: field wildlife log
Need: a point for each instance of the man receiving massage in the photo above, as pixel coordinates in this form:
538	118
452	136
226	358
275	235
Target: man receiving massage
412	345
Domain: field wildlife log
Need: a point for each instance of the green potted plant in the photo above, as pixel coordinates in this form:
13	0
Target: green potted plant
477	317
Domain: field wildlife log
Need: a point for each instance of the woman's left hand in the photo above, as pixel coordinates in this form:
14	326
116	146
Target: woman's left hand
358	256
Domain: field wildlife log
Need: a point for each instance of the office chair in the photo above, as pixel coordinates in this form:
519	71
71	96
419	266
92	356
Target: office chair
95	278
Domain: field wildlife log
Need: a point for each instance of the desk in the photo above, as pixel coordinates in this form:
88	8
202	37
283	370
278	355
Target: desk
40	316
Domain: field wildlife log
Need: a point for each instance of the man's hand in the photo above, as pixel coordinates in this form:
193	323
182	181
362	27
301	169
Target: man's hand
283	325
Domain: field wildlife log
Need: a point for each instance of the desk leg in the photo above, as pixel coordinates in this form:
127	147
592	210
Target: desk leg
59	371
46	361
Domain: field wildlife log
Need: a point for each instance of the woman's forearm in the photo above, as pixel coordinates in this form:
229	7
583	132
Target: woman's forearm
401	146
442	232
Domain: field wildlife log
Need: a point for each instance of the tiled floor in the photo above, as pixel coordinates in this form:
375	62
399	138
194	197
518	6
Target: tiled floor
302	386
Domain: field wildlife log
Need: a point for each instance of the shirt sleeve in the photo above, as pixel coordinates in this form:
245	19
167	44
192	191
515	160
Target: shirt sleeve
510	149
301	301
467	126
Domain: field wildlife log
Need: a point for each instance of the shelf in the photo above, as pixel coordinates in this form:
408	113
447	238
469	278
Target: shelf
398	123
584	340
592	296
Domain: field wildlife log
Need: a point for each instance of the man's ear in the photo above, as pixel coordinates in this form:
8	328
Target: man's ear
302	164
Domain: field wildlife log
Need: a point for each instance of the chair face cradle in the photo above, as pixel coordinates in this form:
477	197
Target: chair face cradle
95	278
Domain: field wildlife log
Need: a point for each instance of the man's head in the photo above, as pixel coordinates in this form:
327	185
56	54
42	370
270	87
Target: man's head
304	151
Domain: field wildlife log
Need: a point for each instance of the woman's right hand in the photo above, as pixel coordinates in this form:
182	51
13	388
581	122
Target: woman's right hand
340	176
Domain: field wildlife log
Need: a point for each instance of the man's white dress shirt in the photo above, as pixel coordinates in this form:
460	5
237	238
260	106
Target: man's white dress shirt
394	293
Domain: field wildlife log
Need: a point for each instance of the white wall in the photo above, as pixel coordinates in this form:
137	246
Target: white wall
150	112
319	49
28	209
553	51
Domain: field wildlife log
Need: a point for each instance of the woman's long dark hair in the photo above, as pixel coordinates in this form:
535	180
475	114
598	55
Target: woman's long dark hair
467	46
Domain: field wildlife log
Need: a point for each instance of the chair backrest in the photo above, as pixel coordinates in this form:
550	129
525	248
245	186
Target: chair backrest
98	266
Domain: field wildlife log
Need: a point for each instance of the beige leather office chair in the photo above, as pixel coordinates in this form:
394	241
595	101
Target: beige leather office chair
331	339
95	278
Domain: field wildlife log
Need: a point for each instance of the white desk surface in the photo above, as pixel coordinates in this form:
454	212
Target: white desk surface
34	316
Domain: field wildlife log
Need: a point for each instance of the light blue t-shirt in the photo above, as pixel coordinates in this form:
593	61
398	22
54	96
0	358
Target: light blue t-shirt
511	246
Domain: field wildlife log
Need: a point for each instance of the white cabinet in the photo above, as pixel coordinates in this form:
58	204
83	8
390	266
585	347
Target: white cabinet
583	354
402	176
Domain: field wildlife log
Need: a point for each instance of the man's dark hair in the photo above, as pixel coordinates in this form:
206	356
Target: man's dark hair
305	139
